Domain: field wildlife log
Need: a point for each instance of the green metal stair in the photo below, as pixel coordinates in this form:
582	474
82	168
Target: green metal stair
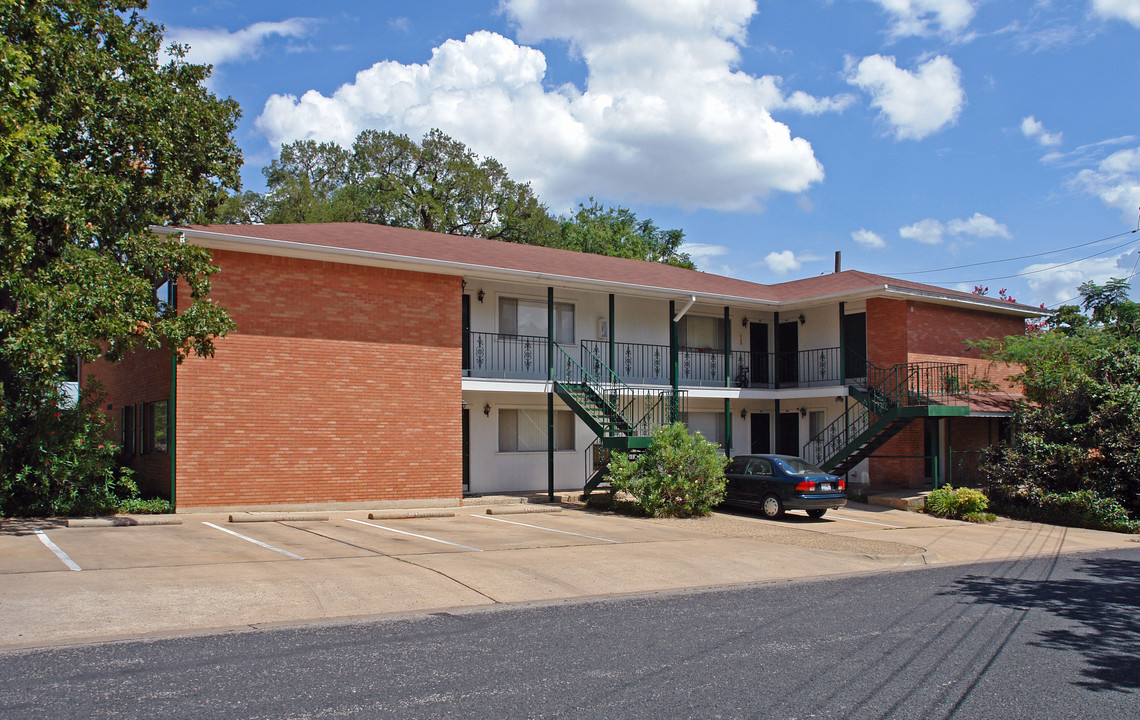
890	400
622	417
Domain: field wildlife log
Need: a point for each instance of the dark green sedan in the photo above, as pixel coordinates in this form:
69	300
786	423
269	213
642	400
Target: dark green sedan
775	483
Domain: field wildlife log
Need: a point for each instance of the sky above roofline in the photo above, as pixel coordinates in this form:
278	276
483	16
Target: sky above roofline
951	142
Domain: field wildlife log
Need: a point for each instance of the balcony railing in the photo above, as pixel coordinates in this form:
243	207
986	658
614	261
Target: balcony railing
492	355
524	357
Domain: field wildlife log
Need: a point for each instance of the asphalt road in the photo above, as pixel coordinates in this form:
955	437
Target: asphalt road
1043	638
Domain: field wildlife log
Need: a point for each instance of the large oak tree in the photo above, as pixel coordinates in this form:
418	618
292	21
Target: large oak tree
102	135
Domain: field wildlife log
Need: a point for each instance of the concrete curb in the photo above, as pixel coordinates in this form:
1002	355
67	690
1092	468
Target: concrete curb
521	509
406	514
123	521
278	517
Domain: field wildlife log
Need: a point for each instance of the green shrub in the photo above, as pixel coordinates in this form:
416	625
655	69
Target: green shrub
680	475
62	461
958	503
1078	508
138	506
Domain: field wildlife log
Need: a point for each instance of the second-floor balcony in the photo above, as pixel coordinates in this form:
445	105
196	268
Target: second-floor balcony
524	357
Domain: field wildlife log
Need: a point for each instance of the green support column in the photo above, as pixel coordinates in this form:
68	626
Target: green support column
550	394
727	350
172	298
674	363
776	351
613	350
727	381
776	427
727	427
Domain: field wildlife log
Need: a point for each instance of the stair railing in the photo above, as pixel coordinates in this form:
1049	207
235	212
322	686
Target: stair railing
900	385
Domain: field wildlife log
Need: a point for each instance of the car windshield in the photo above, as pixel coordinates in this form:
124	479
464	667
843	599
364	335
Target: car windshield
795	466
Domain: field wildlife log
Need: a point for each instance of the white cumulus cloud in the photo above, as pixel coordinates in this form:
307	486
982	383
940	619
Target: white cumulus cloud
978	225
216	46
1128	10
1116	181
915	104
868	239
663	116
1053	285
1034	129
919	17
782	262
931	231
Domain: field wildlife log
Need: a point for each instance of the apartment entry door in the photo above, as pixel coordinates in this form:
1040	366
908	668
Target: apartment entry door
788	434
761	433
788	359
759	374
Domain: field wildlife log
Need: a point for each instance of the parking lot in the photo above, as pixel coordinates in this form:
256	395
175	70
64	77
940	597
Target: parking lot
212	540
63	584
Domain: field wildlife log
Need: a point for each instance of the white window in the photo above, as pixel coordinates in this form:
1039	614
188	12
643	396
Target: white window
709	424
702	333
525	430
528	317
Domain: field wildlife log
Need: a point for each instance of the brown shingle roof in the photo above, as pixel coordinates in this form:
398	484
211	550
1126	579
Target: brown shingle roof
497	255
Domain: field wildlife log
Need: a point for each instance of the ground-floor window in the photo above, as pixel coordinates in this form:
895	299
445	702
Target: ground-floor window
156	427
525	430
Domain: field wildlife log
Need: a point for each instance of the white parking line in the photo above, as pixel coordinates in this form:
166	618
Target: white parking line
422	537
267	546
868	522
539	527
71	564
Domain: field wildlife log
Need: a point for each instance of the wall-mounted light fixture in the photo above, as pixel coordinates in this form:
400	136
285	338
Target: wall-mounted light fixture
802	319
743	413
803	412
743	322
464	281
481	295
487	409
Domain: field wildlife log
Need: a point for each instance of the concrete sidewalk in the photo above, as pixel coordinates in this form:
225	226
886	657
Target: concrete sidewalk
158	581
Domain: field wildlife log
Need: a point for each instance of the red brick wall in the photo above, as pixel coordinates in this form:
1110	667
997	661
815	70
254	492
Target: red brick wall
906	331
340	384
942	330
140	377
886	331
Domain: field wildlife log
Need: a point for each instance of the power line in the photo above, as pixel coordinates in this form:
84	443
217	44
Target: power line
1019	257
1078	297
1033	272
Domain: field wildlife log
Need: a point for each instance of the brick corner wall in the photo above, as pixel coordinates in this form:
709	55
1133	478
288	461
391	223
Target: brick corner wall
341	384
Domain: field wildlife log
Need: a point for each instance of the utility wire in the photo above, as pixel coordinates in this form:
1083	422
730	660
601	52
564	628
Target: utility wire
1019	257
1034	272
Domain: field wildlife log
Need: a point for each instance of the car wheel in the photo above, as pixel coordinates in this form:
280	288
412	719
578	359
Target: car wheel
772	507
817	514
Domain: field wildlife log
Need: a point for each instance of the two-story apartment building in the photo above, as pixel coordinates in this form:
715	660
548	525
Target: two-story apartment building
382	365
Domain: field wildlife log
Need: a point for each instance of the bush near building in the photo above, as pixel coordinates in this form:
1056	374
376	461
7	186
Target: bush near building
680	475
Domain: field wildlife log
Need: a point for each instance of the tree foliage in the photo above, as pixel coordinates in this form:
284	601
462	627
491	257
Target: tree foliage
441	186
1079	428
100	139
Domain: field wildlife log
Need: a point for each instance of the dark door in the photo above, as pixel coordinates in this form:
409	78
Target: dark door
466	339
855	345
466	448
761	433
788	434
758	360
788	352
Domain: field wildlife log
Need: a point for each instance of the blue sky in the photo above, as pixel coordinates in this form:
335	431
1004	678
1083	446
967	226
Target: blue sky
912	135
